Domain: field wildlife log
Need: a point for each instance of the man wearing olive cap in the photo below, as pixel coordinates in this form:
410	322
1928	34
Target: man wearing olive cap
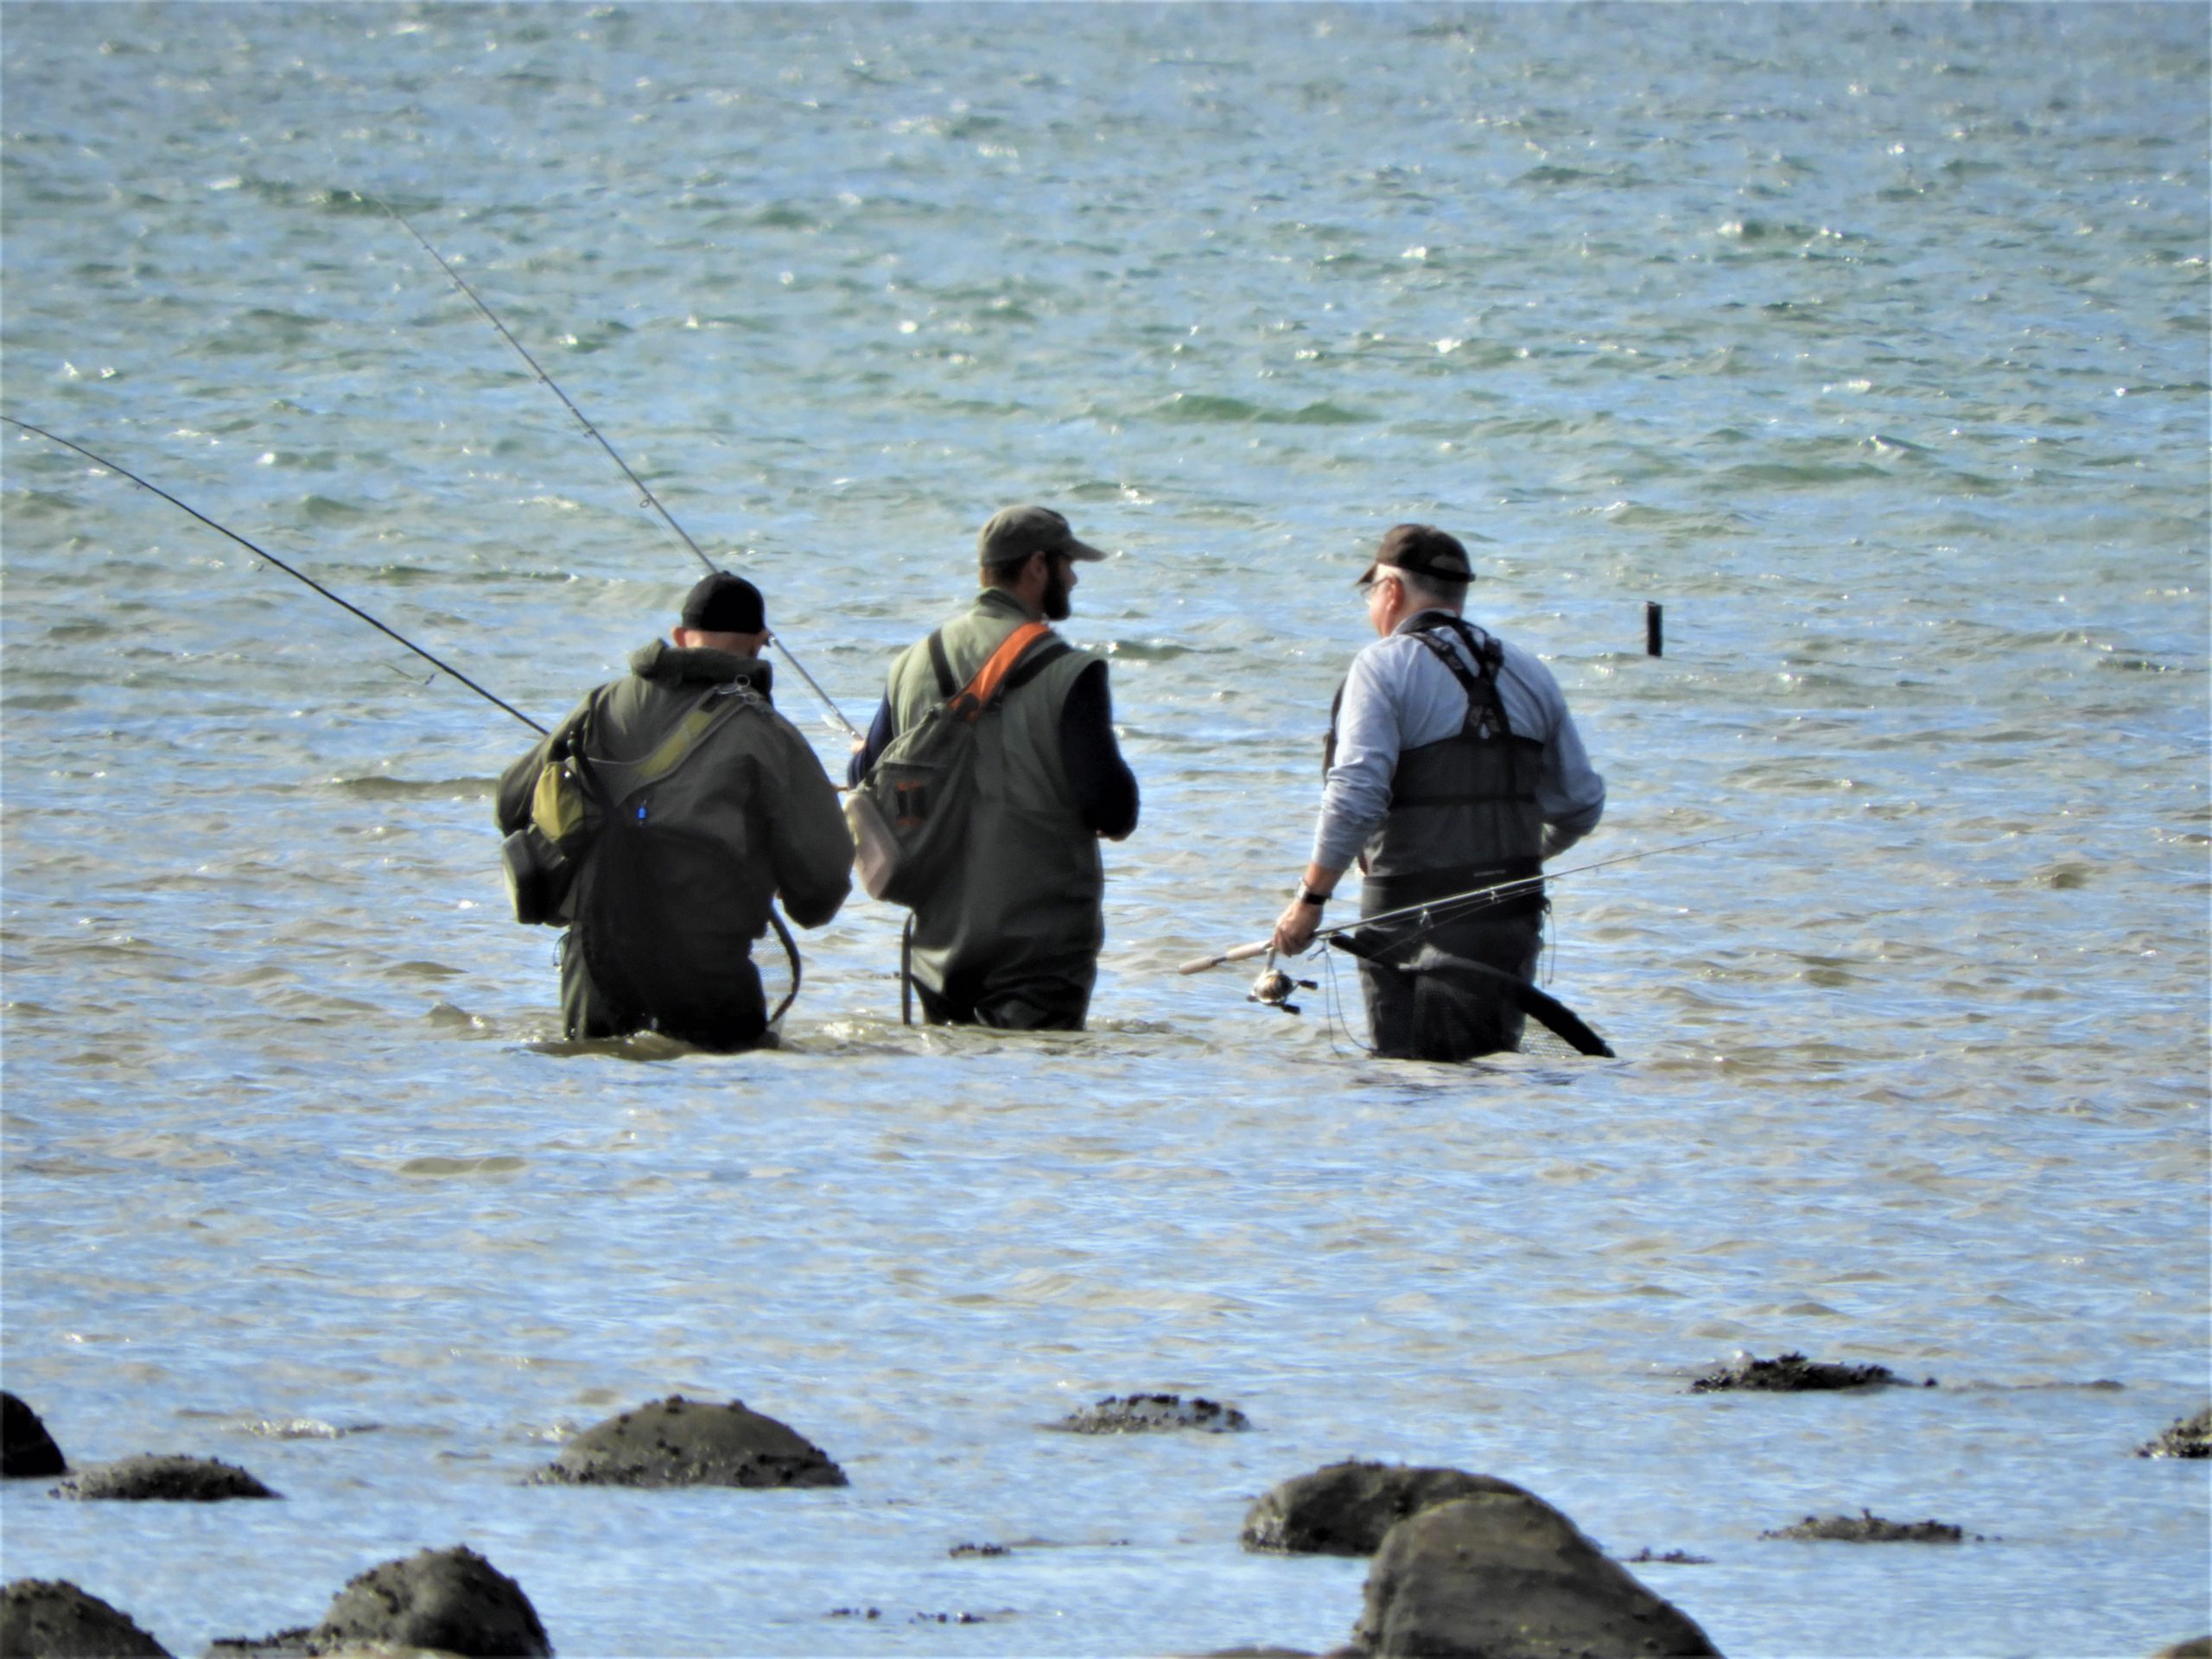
1452	764
1011	937
707	805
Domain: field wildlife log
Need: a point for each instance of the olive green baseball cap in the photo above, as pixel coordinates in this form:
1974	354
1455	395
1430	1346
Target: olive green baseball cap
1015	533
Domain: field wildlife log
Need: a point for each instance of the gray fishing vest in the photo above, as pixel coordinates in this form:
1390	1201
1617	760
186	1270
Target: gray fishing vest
1028	888
1463	809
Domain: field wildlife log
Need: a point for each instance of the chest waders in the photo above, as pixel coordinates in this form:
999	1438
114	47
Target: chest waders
652	964
1463	814
1009	936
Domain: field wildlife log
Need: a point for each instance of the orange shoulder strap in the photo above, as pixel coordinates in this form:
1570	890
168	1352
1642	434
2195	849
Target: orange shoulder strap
979	691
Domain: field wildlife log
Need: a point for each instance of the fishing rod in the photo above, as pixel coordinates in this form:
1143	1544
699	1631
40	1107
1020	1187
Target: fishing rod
1450	904
783	933
651	500
297	575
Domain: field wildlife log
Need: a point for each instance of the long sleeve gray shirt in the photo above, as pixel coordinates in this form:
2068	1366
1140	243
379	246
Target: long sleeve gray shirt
1398	696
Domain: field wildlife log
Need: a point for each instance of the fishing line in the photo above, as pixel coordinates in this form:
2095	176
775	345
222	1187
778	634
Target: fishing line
783	933
1440	916
297	575
1450	906
1334	999
651	500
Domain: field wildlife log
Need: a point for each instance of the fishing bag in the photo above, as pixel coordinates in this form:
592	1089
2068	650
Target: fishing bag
540	860
909	815
666	942
570	804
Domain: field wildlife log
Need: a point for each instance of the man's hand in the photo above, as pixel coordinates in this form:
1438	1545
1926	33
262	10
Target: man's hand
1295	927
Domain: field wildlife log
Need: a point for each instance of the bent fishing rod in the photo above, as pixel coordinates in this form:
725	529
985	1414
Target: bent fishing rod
1452	904
651	500
443	667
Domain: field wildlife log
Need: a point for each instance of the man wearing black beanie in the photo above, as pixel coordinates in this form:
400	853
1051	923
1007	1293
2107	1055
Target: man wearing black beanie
672	807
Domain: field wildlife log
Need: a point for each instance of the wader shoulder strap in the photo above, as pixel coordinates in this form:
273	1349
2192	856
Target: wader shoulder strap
1329	742
946	683
1484	706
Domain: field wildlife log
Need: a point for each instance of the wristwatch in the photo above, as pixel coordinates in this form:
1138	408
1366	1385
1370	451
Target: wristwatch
1307	896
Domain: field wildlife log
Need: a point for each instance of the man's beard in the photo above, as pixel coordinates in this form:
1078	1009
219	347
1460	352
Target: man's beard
1055	601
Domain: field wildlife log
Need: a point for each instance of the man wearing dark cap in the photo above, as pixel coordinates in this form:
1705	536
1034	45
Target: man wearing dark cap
1011	937
705	804
1452	764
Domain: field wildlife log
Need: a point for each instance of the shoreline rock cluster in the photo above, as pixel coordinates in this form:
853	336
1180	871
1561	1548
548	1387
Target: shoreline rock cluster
1153	1413
2188	1437
1867	1528
1463	1563
1795	1374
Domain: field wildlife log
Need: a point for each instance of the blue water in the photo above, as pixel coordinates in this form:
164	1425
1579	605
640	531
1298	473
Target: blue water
1871	342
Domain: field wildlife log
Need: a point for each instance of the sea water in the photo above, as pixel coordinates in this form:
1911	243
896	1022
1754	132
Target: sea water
1869	342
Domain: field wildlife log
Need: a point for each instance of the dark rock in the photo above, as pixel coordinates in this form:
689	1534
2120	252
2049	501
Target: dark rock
1672	1558
1144	1414
171	1479
1795	1374
2197	1647
2187	1438
1503	1575
959	1550
679	1442
50	1619
450	1601
1344	1508
27	1451
1866	1528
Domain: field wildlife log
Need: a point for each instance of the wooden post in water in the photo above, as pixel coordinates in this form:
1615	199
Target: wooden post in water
1654	631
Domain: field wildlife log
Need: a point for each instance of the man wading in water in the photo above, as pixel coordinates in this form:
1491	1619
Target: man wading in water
683	804
1451	763
1010	937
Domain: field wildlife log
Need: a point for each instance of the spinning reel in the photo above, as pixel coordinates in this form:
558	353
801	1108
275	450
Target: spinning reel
1273	988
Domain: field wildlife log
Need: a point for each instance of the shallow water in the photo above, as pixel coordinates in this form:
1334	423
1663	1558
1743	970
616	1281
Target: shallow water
1869	342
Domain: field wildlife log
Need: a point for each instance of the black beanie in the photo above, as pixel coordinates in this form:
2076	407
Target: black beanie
723	603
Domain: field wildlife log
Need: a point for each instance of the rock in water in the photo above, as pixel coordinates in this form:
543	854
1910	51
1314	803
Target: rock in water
2187	1439
450	1600
27	1451
1146	1414
51	1619
1344	1508
679	1442
168	1480
1795	1374
1503	1575
1867	1528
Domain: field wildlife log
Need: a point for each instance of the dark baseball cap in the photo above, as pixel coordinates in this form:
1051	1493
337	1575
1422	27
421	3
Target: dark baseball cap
1423	550
1015	533
723	603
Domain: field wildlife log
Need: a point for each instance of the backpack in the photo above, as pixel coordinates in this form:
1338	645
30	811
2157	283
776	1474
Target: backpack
909	815
570	804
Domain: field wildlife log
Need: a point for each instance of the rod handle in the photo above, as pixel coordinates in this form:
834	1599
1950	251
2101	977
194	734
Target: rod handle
1238	953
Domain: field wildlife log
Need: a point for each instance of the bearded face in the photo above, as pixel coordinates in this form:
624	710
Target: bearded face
1055	600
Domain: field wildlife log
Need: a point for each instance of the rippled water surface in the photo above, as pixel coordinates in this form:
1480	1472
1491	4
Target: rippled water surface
1871	342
